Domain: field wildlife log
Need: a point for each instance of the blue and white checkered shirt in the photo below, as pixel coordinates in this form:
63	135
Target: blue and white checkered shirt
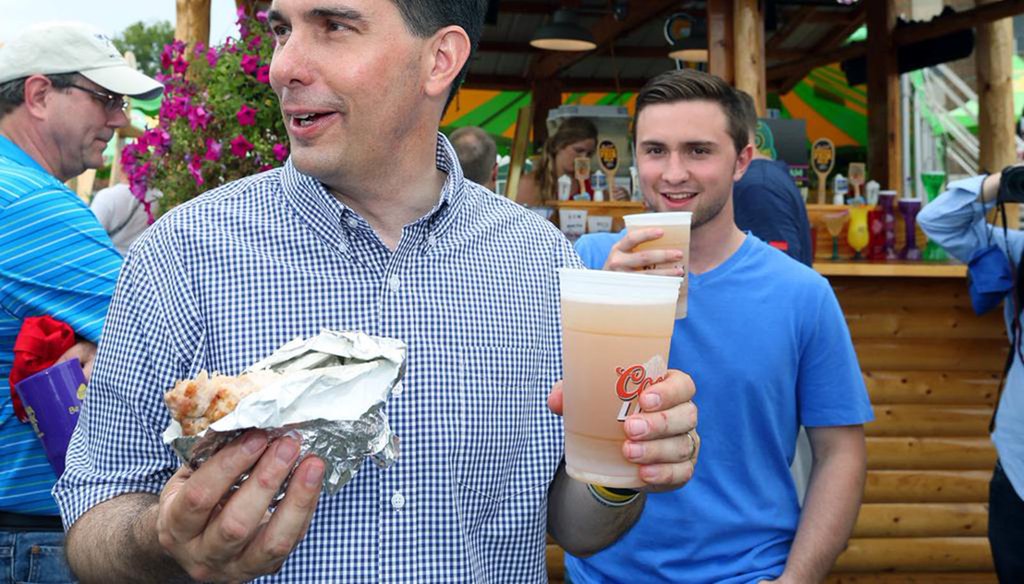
472	289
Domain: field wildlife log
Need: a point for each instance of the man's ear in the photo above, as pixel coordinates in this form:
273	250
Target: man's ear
38	91
449	51
743	161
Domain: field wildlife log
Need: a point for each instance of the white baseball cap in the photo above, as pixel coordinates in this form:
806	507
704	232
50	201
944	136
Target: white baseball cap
71	47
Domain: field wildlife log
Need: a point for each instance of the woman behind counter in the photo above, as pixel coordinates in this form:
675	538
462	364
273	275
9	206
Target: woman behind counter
575	137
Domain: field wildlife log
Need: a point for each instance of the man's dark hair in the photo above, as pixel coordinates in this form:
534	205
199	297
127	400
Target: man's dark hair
749	110
693	85
425	17
12	93
476	151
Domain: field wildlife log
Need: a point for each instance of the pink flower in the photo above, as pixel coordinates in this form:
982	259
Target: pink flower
198	117
246	115
241	15
213	149
250	63
254	42
199	49
212	57
240	146
280	152
261	16
266	167
263	74
195	167
180	65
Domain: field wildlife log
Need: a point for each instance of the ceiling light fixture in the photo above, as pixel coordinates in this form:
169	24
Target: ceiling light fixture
688	38
563	33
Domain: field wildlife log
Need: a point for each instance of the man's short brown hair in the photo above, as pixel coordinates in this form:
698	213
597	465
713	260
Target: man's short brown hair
693	85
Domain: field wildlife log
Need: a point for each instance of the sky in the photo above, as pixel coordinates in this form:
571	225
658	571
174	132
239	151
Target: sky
111	16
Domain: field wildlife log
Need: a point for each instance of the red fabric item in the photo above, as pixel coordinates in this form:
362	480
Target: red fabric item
41	341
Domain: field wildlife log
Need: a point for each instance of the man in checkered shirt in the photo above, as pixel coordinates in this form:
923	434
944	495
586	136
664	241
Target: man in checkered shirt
370	226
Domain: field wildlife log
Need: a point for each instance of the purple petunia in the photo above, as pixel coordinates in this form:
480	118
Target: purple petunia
246	115
250	63
280	152
240	146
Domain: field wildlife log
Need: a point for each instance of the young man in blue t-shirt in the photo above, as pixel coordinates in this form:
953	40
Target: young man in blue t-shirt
766	344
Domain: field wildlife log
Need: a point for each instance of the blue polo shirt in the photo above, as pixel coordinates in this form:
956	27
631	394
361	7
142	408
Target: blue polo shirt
56	260
768	349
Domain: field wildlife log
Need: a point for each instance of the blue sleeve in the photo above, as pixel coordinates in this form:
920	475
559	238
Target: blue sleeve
117	446
956	221
830	387
594	248
57	261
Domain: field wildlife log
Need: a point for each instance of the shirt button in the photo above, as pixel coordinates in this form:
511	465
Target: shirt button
431	240
342	246
352	222
398	500
394	283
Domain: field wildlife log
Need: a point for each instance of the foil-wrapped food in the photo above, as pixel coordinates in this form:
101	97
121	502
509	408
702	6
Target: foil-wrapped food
329	390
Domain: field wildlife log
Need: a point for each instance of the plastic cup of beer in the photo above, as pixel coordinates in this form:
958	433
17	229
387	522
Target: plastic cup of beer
616	333
676	235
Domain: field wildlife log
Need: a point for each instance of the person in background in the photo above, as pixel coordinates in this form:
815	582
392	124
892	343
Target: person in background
62	89
478	155
122	215
767	345
956	221
574	138
369	226
767	203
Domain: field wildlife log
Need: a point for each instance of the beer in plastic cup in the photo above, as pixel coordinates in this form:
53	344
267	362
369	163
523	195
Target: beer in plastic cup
616	332
676	229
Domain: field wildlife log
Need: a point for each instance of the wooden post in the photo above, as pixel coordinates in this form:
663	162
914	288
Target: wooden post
720	42
193	22
994	59
547	95
748	41
885	153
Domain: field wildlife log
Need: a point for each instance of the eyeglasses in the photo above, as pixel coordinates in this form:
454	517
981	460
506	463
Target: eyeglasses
111	103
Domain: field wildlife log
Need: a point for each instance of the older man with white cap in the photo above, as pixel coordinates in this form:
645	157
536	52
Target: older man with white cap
62	97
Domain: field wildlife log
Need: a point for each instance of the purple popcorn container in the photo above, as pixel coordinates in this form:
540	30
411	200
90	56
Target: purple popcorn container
53	398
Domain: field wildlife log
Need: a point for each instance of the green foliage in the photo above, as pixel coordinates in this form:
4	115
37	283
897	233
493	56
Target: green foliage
146	41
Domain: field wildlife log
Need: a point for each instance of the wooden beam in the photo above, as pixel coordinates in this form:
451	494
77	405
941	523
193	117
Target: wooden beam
721	60
792	24
826	52
192	23
748	38
569	84
546	96
605	31
638	52
884	145
982	14
994	60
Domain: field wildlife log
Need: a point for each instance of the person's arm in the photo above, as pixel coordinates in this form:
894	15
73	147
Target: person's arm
85	352
198	529
662	440
57	261
956	221
830	508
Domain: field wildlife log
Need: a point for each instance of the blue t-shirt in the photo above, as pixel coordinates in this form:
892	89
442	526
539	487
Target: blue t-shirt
768	349
767	203
56	260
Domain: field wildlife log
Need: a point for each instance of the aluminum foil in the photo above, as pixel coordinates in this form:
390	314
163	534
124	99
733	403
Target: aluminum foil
331	395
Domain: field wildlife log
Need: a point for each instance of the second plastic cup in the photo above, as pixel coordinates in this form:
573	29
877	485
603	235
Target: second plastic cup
676	228
616	333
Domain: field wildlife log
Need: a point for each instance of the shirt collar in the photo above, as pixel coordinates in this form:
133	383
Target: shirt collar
324	212
9	149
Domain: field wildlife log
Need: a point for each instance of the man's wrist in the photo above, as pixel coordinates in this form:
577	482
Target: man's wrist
613	497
